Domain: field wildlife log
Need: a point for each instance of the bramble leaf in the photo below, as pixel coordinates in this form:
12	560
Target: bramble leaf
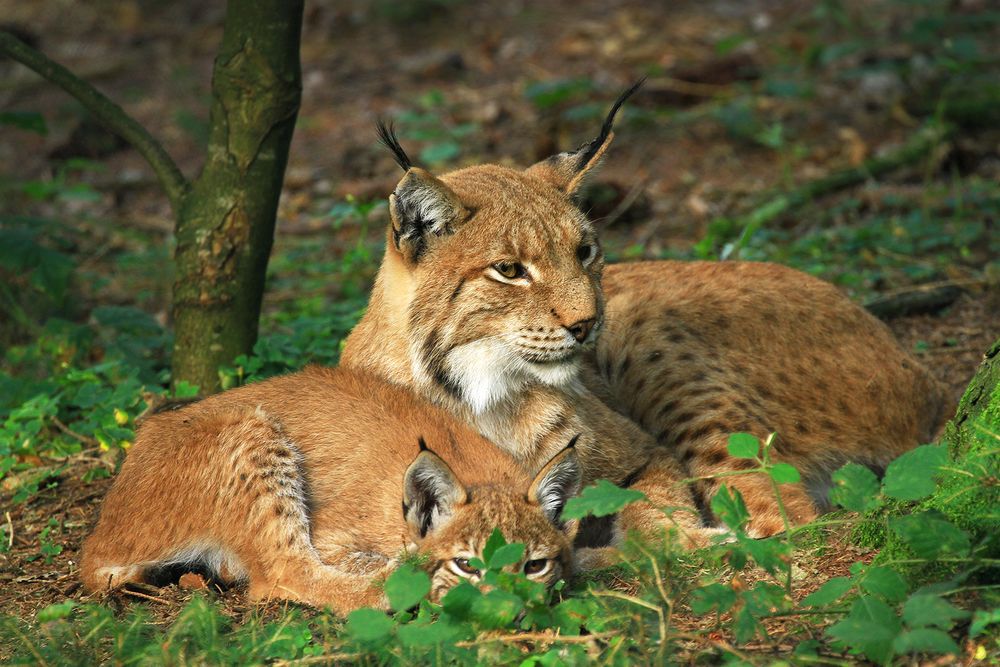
497	609
870	628
982	619
855	488
829	592
784	473
930	536
713	597
600	499
369	625
911	476
406	587
923	610
885	582
54	612
493	542
743	446
729	507
506	555
925	640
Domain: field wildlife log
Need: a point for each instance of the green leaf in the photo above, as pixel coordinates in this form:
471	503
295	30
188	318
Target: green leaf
925	640
743	446
506	555
406	587
427	635
983	619
440	152
32	121
369	625
713	597
870	628
54	612
911	476
930	536
729	507
600	499
784	473
923	610
459	600
885	582
497	609
855	488
830	591
493	542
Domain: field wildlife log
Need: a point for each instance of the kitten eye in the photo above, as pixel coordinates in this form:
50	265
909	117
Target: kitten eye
586	252
536	566
463	565
511	270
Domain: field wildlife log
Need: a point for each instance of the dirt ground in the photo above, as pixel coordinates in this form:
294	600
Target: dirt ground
156	59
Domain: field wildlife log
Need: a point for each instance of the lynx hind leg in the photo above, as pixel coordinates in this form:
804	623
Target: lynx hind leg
238	509
708	457
670	505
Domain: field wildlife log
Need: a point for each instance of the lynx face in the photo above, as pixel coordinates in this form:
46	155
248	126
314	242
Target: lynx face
494	273
451	524
511	297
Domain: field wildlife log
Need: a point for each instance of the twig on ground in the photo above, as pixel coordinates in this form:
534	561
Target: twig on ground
73	434
314	659
10	531
144	596
919	299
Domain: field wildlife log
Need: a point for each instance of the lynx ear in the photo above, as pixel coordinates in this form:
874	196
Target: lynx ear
567	171
421	207
430	493
558	480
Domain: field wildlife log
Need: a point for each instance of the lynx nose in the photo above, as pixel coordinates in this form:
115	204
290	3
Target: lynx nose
581	329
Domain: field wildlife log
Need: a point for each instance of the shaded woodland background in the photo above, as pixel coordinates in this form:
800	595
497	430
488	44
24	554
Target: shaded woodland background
858	141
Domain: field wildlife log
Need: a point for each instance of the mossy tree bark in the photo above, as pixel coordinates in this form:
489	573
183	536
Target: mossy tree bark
225	223
225	217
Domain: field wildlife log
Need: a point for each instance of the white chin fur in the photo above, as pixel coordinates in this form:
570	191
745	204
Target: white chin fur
489	370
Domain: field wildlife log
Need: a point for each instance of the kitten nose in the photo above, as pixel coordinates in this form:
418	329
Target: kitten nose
581	329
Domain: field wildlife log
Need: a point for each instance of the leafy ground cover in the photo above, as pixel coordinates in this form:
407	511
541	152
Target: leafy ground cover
764	133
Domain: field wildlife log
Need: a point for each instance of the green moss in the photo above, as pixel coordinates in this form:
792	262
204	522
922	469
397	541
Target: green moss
968	492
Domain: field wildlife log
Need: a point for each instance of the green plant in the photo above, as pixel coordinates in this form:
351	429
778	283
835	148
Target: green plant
429	124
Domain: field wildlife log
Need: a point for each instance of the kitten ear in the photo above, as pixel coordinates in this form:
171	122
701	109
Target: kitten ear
421	207
567	171
430	493
558	480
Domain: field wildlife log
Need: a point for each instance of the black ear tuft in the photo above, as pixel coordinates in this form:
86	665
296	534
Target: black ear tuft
587	152
423	444
387	137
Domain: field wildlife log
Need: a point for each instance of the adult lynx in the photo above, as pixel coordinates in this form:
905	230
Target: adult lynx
493	300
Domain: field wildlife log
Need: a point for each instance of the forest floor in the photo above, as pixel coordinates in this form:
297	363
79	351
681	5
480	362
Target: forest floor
746	103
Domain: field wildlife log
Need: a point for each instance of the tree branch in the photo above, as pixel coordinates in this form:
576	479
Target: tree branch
106	111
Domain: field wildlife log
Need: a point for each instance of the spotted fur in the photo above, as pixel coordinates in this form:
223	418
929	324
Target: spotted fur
677	358
306	487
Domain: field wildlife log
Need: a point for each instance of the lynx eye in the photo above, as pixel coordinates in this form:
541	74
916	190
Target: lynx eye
536	567
511	270
464	567
586	252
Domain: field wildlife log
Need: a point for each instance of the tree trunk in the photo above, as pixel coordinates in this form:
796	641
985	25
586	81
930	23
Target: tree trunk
225	221
225	218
